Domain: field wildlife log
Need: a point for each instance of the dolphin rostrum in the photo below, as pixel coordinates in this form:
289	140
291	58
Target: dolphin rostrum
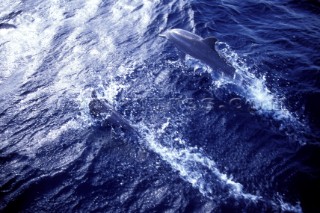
199	48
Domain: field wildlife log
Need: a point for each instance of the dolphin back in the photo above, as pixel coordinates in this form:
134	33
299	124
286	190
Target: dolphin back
210	41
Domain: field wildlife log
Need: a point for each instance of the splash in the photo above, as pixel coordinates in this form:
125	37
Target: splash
258	95
255	89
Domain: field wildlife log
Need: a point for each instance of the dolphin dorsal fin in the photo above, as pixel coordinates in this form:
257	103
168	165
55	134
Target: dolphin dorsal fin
210	41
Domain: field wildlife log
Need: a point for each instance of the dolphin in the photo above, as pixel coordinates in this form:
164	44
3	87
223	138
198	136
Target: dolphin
104	113
199	48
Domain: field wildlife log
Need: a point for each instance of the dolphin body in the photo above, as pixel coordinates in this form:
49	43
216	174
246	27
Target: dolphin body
104	113
199	48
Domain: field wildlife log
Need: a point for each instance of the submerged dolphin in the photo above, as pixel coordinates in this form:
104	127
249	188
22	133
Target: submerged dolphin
199	48
103	112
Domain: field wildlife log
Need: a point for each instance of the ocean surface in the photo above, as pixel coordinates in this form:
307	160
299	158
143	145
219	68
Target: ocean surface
195	141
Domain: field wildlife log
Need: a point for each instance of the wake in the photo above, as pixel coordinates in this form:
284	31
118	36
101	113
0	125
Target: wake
254	91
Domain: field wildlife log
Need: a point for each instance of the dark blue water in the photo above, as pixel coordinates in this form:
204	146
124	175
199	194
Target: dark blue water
194	141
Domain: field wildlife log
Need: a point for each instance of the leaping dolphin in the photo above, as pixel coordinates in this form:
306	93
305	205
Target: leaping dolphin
199	48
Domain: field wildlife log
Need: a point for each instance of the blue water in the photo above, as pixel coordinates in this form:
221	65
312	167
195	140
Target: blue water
198	142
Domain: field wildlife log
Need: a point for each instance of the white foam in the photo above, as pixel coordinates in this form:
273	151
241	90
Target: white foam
139	20
258	94
26	46
86	12
139	23
192	165
112	91
8	5
287	207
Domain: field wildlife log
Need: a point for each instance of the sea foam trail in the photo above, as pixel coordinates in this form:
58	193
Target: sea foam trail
262	99
258	94
193	166
198	169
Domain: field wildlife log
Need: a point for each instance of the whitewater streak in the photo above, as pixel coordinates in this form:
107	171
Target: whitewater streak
191	164
198	169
